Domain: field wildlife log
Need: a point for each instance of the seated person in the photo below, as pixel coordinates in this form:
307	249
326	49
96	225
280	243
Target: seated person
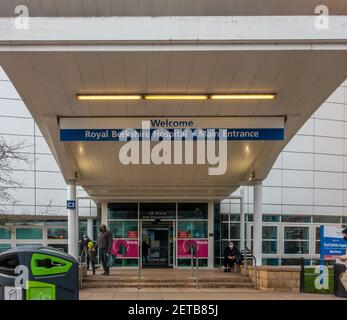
232	256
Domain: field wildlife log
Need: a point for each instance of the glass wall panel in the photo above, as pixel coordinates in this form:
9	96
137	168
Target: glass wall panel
271	262
82	228
5	233
195	229
188	262
157	210
292	218
29	233
234	231
224	230
269	247
121	228
326	219
271	218
270	232
296	247
296	233
57	233
192	211
123	210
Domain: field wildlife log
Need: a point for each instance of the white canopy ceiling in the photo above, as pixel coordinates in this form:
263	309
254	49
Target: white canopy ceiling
302	75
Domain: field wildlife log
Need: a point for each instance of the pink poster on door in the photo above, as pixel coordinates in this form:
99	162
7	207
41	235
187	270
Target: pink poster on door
184	247
125	249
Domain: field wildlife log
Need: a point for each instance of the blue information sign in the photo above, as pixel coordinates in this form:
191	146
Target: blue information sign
331	242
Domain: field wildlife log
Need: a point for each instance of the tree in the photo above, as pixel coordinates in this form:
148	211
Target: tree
9	154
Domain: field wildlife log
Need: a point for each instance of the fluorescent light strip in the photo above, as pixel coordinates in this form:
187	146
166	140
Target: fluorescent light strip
103	97
254	96
235	96
176	97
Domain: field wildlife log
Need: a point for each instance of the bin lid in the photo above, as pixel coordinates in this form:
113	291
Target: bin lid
41	249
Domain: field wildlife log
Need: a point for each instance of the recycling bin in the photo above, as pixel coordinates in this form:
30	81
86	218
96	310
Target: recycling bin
339	289
43	273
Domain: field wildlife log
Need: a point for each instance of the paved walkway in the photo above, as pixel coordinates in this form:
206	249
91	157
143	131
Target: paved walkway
185	293
193	294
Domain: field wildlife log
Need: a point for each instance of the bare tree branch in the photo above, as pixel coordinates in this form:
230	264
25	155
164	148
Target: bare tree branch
9	154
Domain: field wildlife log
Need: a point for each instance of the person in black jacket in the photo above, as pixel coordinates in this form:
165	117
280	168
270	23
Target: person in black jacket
232	256
105	242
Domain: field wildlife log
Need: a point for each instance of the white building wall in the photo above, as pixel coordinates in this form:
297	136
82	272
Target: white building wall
43	189
310	175
308	183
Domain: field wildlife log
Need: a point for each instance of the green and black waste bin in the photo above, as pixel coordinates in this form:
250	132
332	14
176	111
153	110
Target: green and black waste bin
339	289
49	274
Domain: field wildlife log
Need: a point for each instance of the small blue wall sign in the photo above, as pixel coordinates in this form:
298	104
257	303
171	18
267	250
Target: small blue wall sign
70	204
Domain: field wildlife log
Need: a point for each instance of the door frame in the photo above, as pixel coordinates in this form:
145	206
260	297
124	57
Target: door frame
170	223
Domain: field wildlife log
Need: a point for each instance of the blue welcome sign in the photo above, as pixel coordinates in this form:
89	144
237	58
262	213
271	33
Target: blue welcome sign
171	128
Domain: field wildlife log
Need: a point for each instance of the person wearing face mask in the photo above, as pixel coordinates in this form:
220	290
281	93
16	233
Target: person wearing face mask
340	269
232	256
104	245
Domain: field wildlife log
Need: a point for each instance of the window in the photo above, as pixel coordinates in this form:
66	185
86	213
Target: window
269	239
326	219
192	211
122	210
29	233
224	230
296	240
5	233
82	228
157	210
195	229
234	231
271	262
57	233
271	218
188	262
301	219
121	228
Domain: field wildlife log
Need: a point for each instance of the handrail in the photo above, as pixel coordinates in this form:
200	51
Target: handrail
139	266
82	263
254	265
196	267
197	272
192	260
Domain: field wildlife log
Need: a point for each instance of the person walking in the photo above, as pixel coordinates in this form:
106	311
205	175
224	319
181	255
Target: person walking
104	245
86	243
92	255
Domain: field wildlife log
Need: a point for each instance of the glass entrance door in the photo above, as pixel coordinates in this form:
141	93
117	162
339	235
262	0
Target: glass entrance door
157	244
